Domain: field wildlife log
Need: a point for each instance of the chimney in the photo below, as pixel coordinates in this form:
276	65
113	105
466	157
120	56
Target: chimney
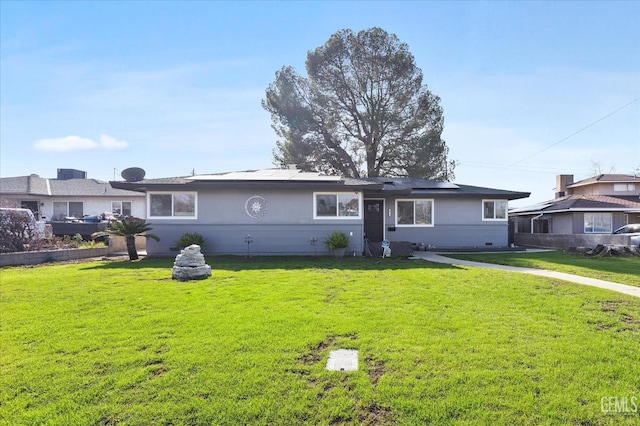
561	184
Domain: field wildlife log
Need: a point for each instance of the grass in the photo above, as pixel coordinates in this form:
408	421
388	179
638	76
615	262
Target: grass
121	343
623	270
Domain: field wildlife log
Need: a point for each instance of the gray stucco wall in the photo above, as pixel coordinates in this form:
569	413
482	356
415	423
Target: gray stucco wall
562	223
288	225
454	236
286	228
633	218
457	223
267	239
573	222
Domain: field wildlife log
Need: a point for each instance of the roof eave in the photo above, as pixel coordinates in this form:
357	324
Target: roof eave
577	209
244	184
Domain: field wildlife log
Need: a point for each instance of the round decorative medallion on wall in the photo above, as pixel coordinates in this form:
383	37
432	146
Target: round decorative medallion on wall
256	206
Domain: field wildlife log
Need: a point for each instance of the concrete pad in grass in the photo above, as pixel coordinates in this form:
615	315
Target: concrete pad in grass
343	360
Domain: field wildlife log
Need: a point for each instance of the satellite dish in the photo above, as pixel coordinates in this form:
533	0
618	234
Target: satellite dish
133	174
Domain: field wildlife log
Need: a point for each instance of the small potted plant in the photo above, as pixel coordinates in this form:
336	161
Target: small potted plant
337	242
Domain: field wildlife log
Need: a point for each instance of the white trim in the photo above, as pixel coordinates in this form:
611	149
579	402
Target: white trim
604	210
121	206
414	225
195	213
601	182
336	217
495	219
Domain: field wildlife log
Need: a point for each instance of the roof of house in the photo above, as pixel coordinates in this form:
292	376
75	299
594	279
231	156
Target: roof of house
606	178
293	175
28	185
266	178
38	186
427	187
293	178
582	203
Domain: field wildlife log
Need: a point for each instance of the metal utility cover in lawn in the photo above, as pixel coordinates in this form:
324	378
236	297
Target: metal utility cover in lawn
343	360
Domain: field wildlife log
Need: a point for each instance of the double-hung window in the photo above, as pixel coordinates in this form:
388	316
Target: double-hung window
494	210
414	212
340	205
180	205
598	223
624	187
121	208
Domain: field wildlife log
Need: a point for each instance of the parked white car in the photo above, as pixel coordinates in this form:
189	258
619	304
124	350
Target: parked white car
633	229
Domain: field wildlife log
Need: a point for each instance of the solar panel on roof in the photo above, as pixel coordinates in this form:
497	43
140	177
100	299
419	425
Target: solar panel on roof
269	174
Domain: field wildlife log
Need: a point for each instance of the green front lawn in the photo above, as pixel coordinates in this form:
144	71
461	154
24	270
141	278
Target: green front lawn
120	342
623	270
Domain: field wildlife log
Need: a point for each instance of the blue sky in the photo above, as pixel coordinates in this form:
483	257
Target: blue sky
529	89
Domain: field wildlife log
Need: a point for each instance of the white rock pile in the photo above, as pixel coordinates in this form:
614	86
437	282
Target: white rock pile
190	265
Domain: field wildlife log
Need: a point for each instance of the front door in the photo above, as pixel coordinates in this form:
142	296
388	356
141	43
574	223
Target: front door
374	220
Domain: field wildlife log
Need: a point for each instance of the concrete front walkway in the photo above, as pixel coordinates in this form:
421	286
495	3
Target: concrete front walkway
621	288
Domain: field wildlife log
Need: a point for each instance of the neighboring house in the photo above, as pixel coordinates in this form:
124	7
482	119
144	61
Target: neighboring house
71	194
582	212
287	211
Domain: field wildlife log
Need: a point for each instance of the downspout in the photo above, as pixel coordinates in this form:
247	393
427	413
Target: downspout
534	218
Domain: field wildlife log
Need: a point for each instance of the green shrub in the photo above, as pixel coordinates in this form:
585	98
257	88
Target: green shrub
69	241
187	239
337	240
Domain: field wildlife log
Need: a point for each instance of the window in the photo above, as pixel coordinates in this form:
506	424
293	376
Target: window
597	223
336	206
121	208
494	210
173	204
624	187
414	213
62	209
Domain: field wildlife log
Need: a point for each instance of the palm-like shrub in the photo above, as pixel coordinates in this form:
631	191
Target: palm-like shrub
129	228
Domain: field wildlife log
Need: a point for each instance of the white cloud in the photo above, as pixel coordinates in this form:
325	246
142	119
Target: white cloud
107	142
77	143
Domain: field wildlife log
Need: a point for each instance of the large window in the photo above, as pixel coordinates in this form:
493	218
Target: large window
624	187
62	209
414	212
494	210
336	206
173	204
598	223
121	208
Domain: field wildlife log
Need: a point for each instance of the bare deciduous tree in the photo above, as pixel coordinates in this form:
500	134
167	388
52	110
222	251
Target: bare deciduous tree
17	231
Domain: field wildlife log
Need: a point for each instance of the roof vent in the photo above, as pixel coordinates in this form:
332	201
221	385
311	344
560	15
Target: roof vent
133	174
